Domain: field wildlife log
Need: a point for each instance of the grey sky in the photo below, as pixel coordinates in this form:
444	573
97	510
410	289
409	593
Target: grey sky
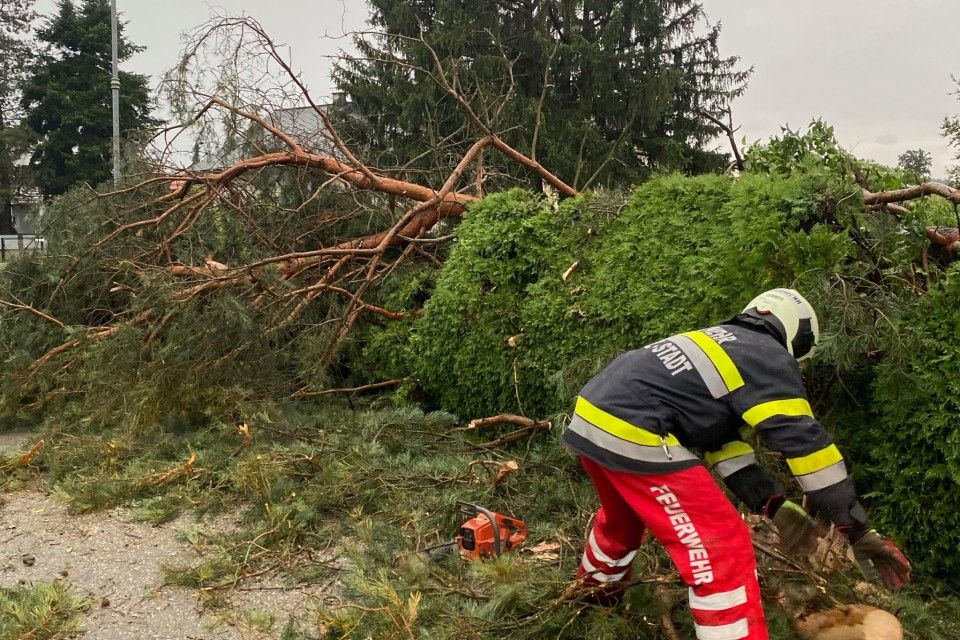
878	70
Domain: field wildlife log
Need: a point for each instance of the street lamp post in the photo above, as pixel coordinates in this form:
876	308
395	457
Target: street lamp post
115	90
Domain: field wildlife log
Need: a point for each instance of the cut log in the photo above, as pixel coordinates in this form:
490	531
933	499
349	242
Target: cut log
850	622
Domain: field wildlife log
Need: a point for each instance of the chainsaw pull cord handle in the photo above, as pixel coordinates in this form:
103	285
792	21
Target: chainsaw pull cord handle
497	549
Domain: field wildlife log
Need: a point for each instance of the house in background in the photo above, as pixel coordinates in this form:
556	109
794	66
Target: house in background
305	125
26	201
27	209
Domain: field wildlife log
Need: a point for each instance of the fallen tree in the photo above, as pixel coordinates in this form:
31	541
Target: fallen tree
291	266
289	223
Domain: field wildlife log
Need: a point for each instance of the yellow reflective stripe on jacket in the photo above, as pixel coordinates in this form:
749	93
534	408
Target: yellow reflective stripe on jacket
792	407
815	461
620	428
729	450
719	358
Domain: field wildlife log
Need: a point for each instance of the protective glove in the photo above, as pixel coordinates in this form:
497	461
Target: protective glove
796	528
881	561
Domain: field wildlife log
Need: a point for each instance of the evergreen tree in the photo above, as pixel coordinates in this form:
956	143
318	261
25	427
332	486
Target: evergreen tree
15	54
67	97
603	90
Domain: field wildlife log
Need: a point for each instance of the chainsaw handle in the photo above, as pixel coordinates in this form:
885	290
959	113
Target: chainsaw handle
497	546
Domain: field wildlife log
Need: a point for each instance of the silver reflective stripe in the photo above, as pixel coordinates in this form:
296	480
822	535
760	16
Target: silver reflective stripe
718	601
631	450
703	365
824	478
597	575
729	467
732	631
604	558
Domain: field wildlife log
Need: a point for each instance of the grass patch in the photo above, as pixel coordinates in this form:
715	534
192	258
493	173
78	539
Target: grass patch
42	611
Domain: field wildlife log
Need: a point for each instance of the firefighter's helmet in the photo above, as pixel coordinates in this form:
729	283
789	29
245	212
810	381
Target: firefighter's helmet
791	315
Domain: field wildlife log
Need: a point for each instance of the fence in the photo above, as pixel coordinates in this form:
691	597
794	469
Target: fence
11	246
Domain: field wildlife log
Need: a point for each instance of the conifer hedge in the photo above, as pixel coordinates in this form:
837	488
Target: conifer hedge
913	463
678	252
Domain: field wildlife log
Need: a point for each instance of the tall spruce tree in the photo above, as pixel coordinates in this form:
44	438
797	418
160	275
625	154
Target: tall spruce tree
602	90
67	97
15	55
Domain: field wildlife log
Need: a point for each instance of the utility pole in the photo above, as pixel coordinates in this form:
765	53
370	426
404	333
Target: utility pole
115	89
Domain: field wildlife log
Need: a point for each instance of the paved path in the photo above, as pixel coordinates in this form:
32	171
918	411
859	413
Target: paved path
117	564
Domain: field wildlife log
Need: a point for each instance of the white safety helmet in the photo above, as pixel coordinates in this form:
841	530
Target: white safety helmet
790	313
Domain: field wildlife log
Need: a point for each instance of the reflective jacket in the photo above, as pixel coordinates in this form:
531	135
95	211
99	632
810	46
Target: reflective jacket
649	407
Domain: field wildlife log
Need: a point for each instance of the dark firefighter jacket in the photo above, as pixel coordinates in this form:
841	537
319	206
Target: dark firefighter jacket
649	407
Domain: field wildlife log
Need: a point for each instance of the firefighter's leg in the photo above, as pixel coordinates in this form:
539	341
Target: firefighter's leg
708	541
614	535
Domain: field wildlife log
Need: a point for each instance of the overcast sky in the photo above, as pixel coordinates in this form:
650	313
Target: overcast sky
878	70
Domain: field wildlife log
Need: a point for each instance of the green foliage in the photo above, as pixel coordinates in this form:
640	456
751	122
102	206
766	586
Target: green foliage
179	361
916	433
600	92
679	252
67	104
42	611
507	243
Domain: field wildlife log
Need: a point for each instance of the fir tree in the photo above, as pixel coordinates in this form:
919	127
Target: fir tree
603	90
15	53
67	98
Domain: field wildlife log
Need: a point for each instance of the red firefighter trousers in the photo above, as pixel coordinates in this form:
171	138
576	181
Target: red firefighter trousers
703	533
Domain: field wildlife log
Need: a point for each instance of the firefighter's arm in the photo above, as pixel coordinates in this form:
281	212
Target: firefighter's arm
736	463
788	426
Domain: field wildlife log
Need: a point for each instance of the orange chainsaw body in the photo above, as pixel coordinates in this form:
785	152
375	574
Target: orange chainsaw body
485	533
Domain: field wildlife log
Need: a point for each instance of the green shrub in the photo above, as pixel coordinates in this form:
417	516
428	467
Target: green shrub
914	461
678	252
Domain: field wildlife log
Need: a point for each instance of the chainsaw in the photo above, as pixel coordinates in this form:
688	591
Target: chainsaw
481	534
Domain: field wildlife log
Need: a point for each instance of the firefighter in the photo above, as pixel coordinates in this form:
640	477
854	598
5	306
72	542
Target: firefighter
637	424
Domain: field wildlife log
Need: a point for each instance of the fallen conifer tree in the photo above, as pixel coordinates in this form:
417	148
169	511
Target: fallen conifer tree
293	267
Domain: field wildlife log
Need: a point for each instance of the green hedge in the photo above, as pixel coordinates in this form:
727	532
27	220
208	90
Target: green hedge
678	252
681	252
913	466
